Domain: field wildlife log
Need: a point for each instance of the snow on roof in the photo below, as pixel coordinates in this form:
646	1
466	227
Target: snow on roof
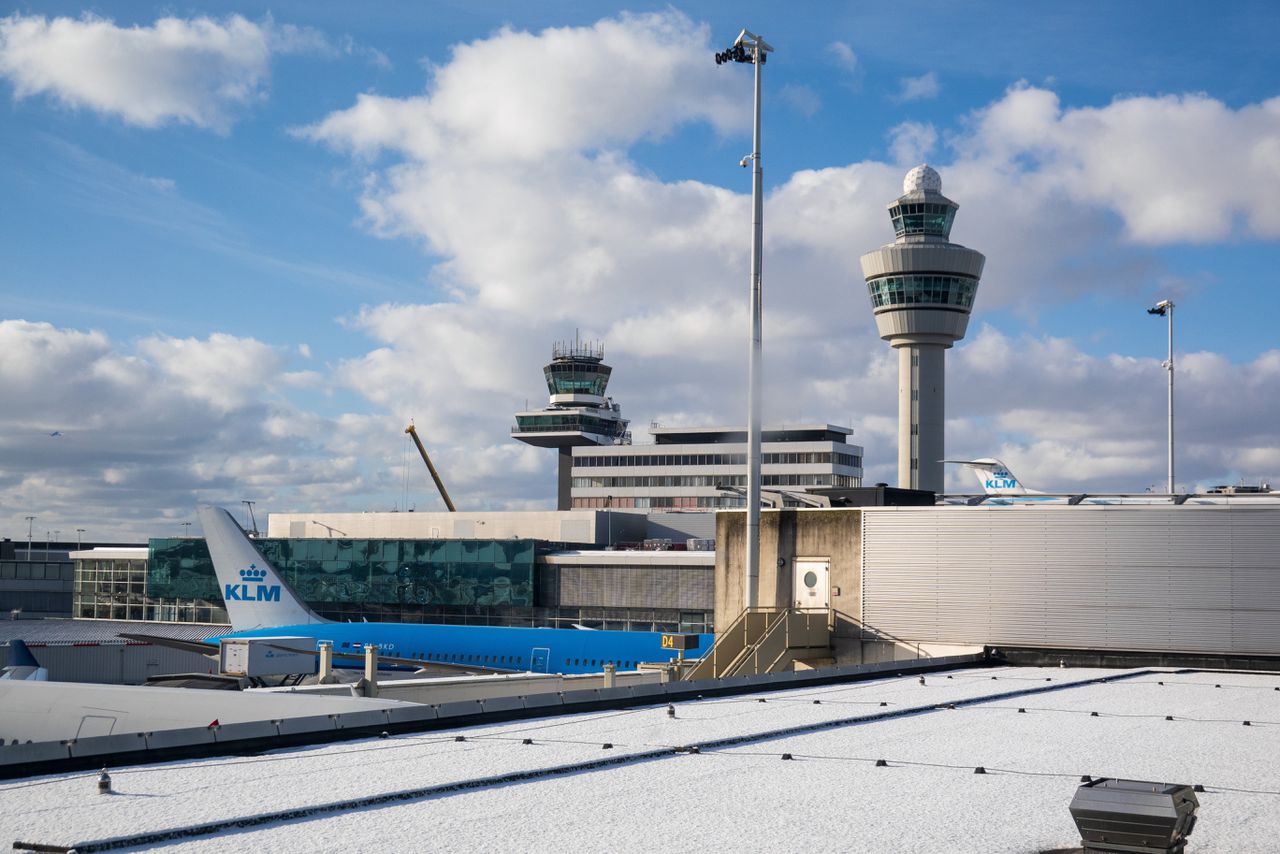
494	792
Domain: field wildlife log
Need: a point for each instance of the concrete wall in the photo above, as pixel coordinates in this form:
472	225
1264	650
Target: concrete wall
785	535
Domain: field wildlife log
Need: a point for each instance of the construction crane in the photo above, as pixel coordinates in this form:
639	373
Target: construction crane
435	475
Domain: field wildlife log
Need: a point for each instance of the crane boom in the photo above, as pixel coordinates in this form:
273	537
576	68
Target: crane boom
435	475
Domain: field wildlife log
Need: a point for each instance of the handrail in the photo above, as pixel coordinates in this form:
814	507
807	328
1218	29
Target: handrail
752	638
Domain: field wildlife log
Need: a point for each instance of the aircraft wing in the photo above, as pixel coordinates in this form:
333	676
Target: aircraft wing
173	643
211	650
400	662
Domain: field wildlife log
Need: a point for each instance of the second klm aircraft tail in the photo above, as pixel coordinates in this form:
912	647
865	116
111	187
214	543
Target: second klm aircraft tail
995	477
255	594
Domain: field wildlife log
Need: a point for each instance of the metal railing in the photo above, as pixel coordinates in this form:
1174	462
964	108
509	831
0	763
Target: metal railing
764	640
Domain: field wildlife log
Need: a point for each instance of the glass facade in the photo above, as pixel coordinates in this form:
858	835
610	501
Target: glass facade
922	218
569	420
351	574
577	377
115	589
919	289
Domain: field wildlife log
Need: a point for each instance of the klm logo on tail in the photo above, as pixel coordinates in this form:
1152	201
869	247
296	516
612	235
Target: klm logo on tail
1000	480
259	592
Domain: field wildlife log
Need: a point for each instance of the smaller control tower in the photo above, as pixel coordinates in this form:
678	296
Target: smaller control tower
578	413
922	288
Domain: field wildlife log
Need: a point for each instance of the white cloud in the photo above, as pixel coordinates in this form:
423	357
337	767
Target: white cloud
911	142
918	88
843	56
150	430
1062	418
1213	173
520	96
199	71
222	370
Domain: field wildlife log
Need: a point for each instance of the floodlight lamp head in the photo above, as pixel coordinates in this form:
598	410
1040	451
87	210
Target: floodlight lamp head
750	38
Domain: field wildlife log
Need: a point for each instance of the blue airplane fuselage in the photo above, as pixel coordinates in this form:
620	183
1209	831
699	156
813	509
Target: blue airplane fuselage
494	647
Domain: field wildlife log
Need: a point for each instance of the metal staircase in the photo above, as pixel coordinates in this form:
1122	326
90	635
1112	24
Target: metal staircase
766	640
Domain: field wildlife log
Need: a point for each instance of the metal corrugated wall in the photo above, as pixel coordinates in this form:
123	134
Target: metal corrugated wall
690	589
1194	579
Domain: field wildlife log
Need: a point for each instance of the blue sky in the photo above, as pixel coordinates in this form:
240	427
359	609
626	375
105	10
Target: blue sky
242	243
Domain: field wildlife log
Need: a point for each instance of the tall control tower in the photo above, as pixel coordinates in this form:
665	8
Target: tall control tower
579	412
922	288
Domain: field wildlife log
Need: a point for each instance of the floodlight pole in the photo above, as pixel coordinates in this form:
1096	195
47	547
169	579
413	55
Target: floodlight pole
755	50
1169	365
1164	308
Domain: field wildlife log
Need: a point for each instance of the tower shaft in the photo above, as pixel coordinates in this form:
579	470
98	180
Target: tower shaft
922	391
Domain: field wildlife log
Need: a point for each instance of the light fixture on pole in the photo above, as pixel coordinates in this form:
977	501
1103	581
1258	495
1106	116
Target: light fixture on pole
749	47
1164	308
79	531
186	529
29	519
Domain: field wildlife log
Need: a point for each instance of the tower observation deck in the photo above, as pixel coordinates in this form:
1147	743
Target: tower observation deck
578	412
922	288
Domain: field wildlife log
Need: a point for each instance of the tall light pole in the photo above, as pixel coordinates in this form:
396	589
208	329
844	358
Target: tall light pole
749	47
29	519
1164	308
79	531
186	529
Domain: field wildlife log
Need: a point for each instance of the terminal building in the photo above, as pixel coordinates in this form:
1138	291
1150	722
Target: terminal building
498	569
704	468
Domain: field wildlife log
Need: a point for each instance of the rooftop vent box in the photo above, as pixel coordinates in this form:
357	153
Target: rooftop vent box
1134	816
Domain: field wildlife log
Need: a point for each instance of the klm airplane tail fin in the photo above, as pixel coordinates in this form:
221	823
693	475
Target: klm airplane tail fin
995	477
256	595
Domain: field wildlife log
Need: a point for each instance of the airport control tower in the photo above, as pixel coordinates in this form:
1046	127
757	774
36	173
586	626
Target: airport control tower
579	413
922	288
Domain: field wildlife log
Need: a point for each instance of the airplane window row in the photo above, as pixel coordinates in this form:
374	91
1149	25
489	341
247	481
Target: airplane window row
459	658
595	662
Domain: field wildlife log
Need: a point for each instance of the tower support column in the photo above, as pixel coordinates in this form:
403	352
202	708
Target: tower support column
564	479
922	383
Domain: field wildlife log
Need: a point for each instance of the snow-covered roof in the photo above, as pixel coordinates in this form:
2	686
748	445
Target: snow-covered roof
647	792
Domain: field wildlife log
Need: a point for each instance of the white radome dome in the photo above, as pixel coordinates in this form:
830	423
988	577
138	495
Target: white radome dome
922	178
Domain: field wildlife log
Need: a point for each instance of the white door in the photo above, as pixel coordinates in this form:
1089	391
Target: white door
812	584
